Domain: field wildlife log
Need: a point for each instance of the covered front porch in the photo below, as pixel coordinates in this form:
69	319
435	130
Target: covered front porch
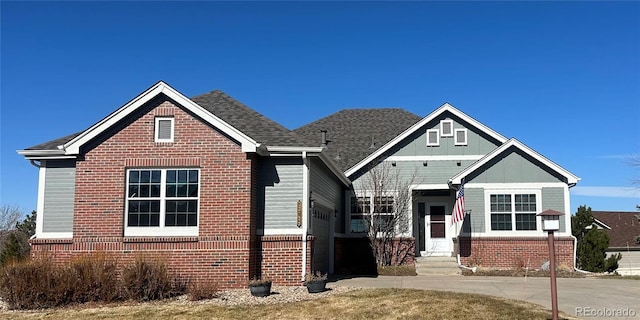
431	215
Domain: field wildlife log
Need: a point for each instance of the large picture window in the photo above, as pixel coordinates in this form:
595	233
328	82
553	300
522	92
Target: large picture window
509	207
162	199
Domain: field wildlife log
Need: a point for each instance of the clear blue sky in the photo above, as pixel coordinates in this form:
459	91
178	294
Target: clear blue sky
563	78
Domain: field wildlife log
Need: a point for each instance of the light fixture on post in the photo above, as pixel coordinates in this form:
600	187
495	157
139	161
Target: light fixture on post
551	223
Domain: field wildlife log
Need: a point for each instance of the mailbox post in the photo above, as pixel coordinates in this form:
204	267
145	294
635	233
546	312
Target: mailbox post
551	223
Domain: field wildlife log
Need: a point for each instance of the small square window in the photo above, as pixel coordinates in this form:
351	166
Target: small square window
460	137
433	138
164	129
446	128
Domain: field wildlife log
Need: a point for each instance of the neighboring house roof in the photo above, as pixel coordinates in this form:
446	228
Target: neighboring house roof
418	125
355	134
625	227
253	124
571	179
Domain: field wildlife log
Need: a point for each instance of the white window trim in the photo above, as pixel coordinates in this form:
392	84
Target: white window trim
431	143
157	127
442	126
371	208
161	230
512	191
458	142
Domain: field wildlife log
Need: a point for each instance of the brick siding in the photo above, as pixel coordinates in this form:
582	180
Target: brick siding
513	252
227	247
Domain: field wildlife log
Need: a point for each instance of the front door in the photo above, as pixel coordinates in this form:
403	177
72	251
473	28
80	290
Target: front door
433	221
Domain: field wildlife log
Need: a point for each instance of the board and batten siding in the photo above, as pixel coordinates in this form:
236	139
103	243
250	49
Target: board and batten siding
553	198
59	193
280	188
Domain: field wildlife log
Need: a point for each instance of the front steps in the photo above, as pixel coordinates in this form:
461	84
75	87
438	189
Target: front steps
437	266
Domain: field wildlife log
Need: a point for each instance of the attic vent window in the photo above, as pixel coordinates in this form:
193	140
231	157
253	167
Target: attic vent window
433	138
164	129
461	137
446	128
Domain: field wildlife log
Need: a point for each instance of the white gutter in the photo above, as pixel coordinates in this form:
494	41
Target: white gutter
305	212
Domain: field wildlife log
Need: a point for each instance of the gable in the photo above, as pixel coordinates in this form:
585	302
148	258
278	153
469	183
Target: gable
513	166
515	162
158	91
416	129
477	142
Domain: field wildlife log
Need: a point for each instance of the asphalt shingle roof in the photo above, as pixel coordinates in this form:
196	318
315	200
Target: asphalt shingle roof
247	120
625	227
53	144
352	132
253	124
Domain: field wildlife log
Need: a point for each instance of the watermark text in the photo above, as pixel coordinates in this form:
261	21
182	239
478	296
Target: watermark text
605	312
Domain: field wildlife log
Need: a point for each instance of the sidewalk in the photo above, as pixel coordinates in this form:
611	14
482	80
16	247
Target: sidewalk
587	298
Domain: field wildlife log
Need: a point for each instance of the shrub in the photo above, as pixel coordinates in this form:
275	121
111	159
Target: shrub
35	283
202	290
150	280
95	278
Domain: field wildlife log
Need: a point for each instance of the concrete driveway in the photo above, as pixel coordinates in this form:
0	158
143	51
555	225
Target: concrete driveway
585	298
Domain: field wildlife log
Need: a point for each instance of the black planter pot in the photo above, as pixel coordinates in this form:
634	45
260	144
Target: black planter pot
260	290
316	286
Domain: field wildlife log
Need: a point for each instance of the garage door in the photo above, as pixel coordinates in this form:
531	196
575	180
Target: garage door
320	259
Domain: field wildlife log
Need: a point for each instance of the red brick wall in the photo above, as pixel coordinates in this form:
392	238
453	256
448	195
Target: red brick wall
280	258
513	253
227	215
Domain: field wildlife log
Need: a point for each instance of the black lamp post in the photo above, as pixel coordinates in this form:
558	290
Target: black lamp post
551	223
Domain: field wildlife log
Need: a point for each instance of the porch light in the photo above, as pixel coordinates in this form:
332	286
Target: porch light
551	223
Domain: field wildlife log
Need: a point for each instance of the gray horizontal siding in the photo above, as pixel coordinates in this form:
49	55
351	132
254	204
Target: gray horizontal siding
326	184
59	193
553	198
436	172
280	188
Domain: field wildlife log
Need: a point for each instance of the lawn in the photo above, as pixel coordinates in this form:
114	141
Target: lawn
364	304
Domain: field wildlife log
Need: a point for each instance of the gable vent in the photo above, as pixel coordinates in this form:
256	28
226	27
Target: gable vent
164	130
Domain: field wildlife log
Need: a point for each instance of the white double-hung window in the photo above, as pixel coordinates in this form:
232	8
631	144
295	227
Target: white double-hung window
162	202
513	211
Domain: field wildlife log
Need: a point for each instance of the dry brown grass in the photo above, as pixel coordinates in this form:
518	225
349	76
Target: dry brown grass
365	304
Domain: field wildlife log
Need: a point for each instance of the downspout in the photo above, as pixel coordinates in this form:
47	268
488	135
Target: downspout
473	269
39	166
305	212
575	256
33	163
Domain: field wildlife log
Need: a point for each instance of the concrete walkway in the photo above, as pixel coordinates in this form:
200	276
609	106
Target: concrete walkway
587	298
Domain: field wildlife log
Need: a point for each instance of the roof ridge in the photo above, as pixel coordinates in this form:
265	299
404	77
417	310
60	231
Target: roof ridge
237	103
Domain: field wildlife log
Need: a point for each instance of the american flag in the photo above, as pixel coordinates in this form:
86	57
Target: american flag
458	207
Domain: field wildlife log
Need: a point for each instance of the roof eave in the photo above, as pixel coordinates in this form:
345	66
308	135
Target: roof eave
44	154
